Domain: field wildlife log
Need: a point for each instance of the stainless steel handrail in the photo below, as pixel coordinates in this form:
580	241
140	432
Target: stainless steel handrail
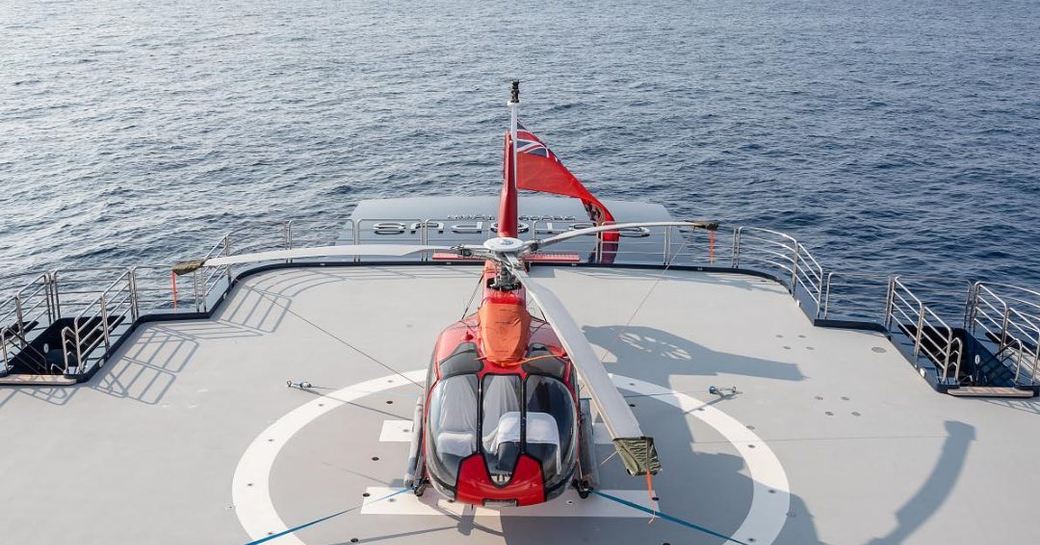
1015	333
948	349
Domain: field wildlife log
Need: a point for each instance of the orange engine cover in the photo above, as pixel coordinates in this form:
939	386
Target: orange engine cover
504	328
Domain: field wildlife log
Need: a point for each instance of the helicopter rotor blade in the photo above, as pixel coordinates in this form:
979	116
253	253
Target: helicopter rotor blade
368	250
533	245
637	450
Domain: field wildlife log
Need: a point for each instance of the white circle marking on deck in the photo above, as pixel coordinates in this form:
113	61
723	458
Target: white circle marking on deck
251	494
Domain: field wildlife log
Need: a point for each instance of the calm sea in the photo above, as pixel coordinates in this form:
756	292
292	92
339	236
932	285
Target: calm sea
889	136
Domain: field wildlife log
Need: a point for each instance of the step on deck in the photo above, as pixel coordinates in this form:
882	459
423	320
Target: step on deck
36	380
989	391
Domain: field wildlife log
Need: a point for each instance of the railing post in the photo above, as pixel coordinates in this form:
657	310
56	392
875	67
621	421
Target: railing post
4	369
355	229
969	307
288	235
920	329
18	314
794	269
1004	327
736	247
667	244
890	301
48	291
1036	359
227	252
195	290
55	292
104	320
135	311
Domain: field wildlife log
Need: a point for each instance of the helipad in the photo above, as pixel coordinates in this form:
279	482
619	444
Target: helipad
194	436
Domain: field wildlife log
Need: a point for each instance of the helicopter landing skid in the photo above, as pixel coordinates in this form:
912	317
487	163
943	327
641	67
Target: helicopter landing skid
588	470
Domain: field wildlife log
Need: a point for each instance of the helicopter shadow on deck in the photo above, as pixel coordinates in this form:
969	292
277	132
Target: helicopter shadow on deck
658	355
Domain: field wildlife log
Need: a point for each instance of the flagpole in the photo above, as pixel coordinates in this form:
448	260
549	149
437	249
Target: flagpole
514	112
508	221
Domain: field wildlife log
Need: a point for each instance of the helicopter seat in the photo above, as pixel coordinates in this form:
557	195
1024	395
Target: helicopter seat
541	430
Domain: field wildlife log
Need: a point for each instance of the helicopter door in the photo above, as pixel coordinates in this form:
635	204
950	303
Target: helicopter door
551	428
453	426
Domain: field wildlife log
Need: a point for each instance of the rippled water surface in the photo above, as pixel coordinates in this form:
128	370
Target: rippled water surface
888	135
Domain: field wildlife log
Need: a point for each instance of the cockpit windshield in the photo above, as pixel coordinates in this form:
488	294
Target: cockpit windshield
534	416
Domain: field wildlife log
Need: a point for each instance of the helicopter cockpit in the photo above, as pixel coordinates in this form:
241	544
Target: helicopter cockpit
501	414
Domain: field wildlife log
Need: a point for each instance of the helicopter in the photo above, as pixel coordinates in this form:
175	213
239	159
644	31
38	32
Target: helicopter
503	419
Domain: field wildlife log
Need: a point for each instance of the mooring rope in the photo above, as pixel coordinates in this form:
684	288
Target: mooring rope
667	517
323	519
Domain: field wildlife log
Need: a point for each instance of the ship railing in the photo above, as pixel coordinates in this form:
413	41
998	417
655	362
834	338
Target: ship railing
781	253
931	335
1008	317
851	293
22	315
209	283
98	324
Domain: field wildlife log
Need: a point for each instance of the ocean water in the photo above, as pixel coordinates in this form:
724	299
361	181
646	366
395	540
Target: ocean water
888	136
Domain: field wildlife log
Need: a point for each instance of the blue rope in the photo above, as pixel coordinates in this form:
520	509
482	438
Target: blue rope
322	519
667	517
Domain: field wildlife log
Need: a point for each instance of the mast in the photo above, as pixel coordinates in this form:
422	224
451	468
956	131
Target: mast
507	211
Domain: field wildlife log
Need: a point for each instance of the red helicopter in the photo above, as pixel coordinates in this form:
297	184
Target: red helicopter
501	421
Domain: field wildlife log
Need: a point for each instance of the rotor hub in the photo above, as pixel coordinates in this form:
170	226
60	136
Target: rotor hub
504	244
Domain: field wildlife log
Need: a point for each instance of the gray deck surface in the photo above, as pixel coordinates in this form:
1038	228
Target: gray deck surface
146	452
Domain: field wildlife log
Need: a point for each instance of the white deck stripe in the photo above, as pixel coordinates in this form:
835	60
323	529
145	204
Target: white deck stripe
567	505
396	431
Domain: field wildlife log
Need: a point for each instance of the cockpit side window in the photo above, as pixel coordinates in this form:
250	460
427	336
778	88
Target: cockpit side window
550	427
541	361
501	425
452	426
463	360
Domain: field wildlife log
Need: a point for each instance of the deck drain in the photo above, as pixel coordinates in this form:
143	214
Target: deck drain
819	398
655	498
631	404
828	413
365	494
375	458
787	348
855	413
879	350
801	336
809	348
844	398
751	446
389	402
354	540
750	427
